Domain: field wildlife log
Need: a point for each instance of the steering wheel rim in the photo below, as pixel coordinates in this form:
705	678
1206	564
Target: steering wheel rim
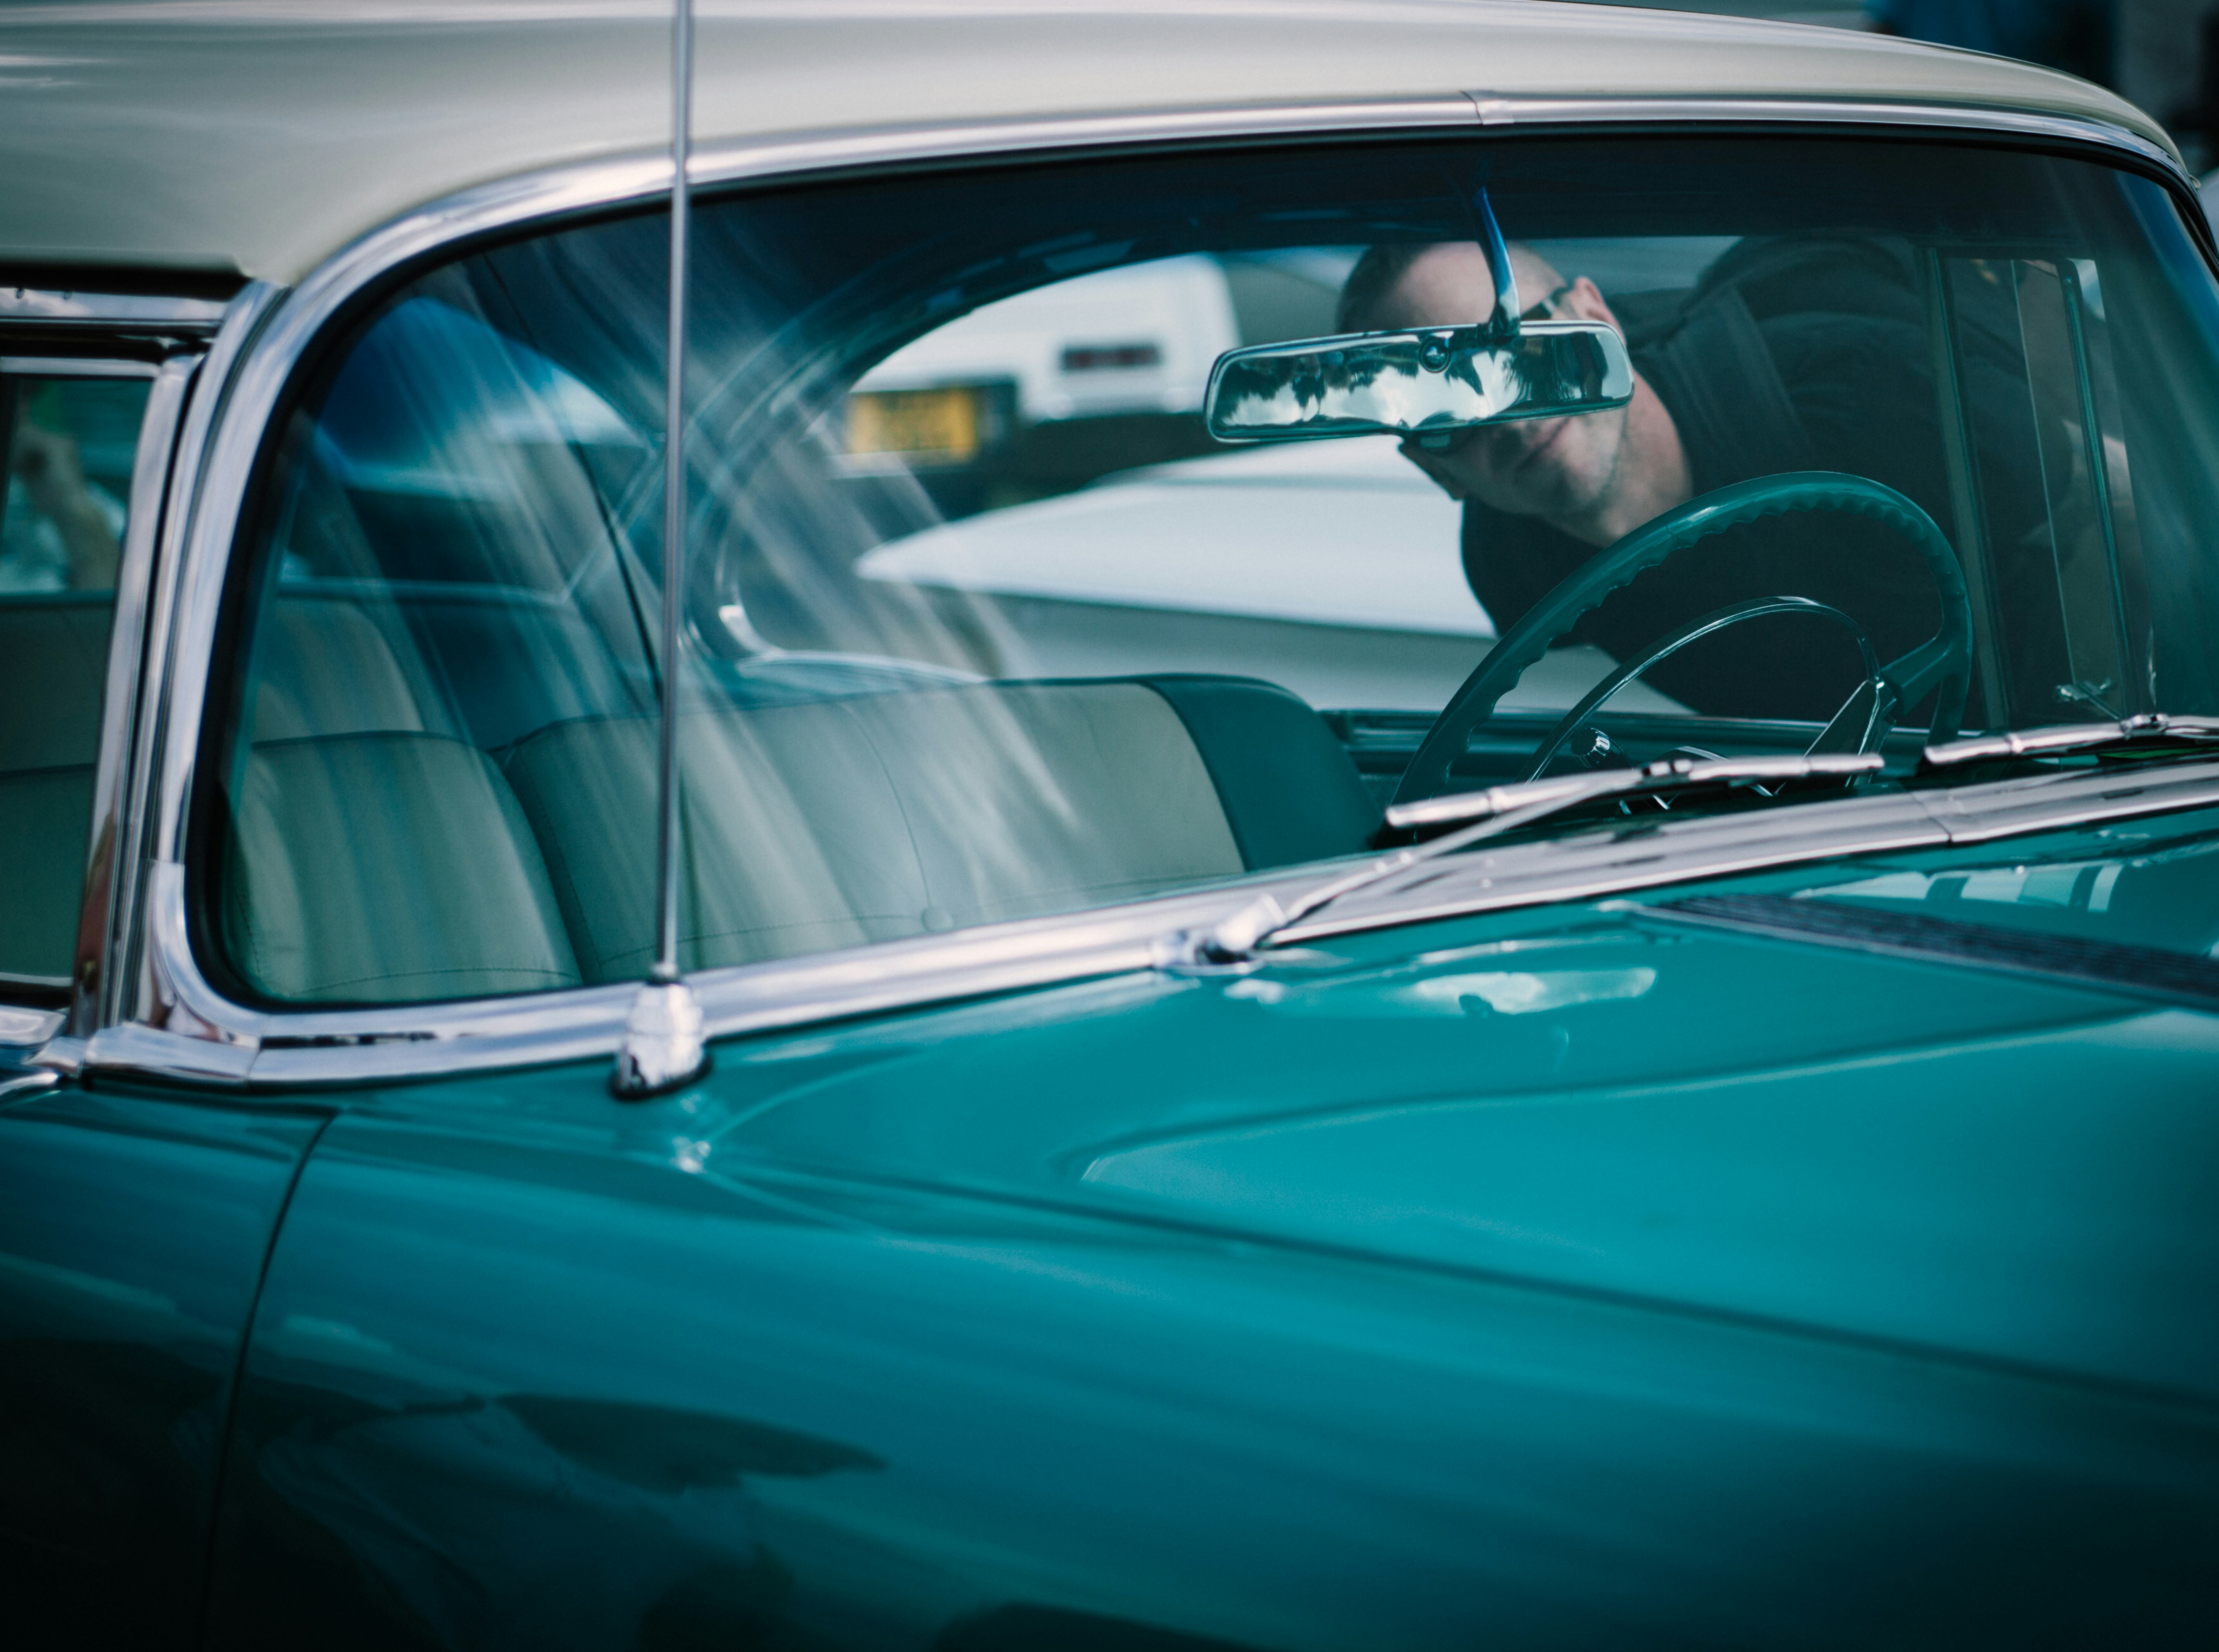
1942	664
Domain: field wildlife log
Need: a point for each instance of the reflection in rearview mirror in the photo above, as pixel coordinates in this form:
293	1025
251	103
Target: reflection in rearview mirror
1406	384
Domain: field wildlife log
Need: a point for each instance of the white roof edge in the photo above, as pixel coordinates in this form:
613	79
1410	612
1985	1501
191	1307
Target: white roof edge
265	135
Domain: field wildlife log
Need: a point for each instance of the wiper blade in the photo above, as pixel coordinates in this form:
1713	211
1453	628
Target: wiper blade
1237	939
2148	729
1669	774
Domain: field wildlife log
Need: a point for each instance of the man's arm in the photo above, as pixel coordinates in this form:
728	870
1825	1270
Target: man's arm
46	462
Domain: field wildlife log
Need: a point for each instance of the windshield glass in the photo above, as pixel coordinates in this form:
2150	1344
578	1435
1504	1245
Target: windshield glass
982	623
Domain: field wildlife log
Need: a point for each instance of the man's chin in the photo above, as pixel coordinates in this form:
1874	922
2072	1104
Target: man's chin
1559	502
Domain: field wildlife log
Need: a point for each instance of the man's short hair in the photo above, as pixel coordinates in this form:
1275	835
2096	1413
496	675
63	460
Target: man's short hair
1374	276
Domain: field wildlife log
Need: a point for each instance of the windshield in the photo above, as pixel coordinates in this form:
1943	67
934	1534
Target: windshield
984	624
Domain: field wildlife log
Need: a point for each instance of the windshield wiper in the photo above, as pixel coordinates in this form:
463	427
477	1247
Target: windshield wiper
2149	729
1237	940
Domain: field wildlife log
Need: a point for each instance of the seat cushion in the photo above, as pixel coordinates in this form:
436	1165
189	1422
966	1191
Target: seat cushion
388	867
837	823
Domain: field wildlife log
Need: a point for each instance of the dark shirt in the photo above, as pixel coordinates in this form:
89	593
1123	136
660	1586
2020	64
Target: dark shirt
1808	357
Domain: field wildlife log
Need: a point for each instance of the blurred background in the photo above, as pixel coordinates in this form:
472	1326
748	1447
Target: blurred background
2162	55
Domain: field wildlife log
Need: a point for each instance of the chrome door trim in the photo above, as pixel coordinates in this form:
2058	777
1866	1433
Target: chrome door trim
144	958
76	367
109	311
113	842
179	1025
119	683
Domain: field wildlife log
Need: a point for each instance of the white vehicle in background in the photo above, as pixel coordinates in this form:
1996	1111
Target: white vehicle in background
1133	340
1133	344
1329	567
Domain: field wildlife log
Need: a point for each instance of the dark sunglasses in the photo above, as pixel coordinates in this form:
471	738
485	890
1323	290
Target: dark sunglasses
1546	309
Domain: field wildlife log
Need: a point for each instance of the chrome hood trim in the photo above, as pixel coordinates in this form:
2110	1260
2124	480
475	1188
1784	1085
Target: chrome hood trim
1659	851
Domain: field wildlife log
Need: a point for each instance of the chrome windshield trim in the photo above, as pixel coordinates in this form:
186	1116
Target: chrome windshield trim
2047	803
1533	113
205	1039
155	788
198	1035
192	1031
114	837
186	1029
190	572
50	306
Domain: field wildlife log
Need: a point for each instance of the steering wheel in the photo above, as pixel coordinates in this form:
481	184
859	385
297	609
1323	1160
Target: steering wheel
1942	664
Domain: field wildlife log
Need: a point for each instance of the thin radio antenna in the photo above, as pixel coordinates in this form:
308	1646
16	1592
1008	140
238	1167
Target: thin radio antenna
662	1046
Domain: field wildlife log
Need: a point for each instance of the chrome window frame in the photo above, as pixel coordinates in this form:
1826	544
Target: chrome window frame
111	815
165	1018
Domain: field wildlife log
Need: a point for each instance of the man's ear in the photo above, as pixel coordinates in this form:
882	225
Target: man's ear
1585	301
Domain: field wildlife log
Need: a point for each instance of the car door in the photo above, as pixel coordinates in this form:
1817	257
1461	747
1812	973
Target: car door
134	1219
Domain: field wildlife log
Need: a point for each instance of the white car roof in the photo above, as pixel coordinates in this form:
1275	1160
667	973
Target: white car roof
260	136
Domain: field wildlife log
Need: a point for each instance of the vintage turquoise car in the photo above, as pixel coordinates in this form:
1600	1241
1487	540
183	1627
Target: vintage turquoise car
1532	968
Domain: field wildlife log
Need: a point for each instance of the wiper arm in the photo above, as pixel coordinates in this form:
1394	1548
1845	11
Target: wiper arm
2148	729
1238	938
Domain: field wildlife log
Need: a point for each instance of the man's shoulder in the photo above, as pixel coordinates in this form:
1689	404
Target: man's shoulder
1775	278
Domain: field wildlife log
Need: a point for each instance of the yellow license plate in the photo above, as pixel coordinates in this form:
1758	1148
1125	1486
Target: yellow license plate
943	424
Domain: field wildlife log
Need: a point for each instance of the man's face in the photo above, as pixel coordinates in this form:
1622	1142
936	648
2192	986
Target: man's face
1556	468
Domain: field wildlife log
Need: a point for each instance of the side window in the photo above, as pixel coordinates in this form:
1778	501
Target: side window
449	569
70	445
2065	589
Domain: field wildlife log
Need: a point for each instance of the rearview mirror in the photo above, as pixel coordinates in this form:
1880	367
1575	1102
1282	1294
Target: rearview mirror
1438	379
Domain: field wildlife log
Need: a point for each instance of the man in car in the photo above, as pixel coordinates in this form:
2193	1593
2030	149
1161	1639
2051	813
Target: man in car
1786	356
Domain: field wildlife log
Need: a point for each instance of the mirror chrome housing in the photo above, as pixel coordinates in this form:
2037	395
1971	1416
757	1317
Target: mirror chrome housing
1415	383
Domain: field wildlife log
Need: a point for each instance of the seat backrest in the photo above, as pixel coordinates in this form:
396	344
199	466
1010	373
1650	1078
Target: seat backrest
488	665
838	821
510	662
386	868
323	668
1290	789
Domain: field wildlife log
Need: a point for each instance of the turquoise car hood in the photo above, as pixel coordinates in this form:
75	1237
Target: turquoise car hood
1958	1164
